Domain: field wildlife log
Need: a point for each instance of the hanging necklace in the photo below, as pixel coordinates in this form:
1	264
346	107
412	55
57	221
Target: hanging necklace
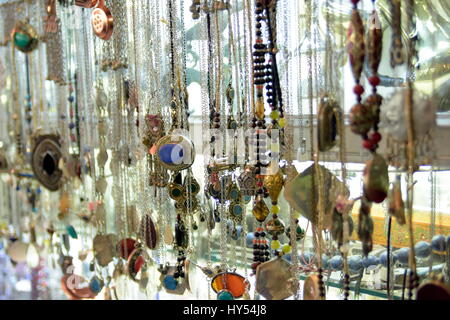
408	107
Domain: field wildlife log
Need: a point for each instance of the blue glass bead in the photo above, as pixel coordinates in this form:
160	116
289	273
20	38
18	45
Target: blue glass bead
95	285
71	231
71	125
225	295
247	199
370	261
438	243
355	263
34	209
383	258
171	153
402	255
28	104
422	249
170	283
71	99
336	263
249	239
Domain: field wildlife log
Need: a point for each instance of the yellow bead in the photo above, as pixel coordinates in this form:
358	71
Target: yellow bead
282	122
296	214
259	110
275	244
286	248
275	209
274	115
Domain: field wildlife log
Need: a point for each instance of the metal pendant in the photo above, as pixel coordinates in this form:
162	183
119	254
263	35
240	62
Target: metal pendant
104	248
45	161
102	21
301	194
274	279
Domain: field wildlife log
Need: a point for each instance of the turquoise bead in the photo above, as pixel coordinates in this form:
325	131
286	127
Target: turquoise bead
171	153
71	231
170	283
237	210
225	295
95	285
21	40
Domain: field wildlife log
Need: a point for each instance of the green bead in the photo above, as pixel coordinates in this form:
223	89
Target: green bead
282	122
274	115
275	244
21	40
286	248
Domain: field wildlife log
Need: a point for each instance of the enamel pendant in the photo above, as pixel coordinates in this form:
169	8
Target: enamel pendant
175	152
170	283
229	285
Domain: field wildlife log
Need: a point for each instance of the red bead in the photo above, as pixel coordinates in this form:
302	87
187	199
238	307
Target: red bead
368	144
358	89
374	80
355	2
375	137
